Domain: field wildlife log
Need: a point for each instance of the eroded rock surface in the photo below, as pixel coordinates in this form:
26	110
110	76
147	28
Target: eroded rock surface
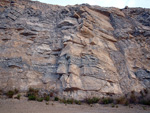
79	51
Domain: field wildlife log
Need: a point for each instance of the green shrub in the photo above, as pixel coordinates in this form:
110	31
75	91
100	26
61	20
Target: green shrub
133	98
39	99
70	101
18	96
112	105
47	98
10	94
126	103
144	108
47	103
16	91
33	91
32	94
63	101
106	100
77	102
92	100
145	102
56	99
32	97
122	100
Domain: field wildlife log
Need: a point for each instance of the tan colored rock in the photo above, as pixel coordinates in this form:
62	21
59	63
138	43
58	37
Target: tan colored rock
111	45
43	48
108	37
92	84
87	33
71	82
33	75
84	41
112	88
67	38
88	24
72	48
62	69
34	80
85	71
74	69
76	15
75	81
117	12
102	20
64	81
94	41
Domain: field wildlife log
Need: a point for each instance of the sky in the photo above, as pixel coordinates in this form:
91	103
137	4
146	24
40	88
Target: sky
103	3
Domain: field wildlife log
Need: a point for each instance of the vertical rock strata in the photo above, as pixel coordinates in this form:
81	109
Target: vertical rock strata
78	51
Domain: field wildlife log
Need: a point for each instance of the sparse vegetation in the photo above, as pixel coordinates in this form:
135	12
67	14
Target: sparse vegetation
77	102
92	100
112	105
106	100
16	91
18	96
40	99
133	98
144	108
32	91
144	99
47	98
122	100
69	101
56	99
10	94
32	94
47	103
65	101
145	102
32	97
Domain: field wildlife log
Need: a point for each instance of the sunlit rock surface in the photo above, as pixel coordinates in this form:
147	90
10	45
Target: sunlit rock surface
78	51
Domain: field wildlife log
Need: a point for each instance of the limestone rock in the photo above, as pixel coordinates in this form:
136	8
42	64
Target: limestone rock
74	69
62	69
68	22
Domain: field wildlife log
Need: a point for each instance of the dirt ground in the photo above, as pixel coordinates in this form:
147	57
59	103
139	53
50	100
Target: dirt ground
25	106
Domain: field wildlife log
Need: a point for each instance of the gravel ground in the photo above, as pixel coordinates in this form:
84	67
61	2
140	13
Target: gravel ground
25	106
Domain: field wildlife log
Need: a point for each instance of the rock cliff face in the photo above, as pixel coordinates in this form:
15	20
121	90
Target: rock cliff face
78	51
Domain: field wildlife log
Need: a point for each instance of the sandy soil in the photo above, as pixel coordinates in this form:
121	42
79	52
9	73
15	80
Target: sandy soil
25	106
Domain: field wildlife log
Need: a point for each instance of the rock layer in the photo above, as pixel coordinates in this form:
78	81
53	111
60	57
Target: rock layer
79	51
